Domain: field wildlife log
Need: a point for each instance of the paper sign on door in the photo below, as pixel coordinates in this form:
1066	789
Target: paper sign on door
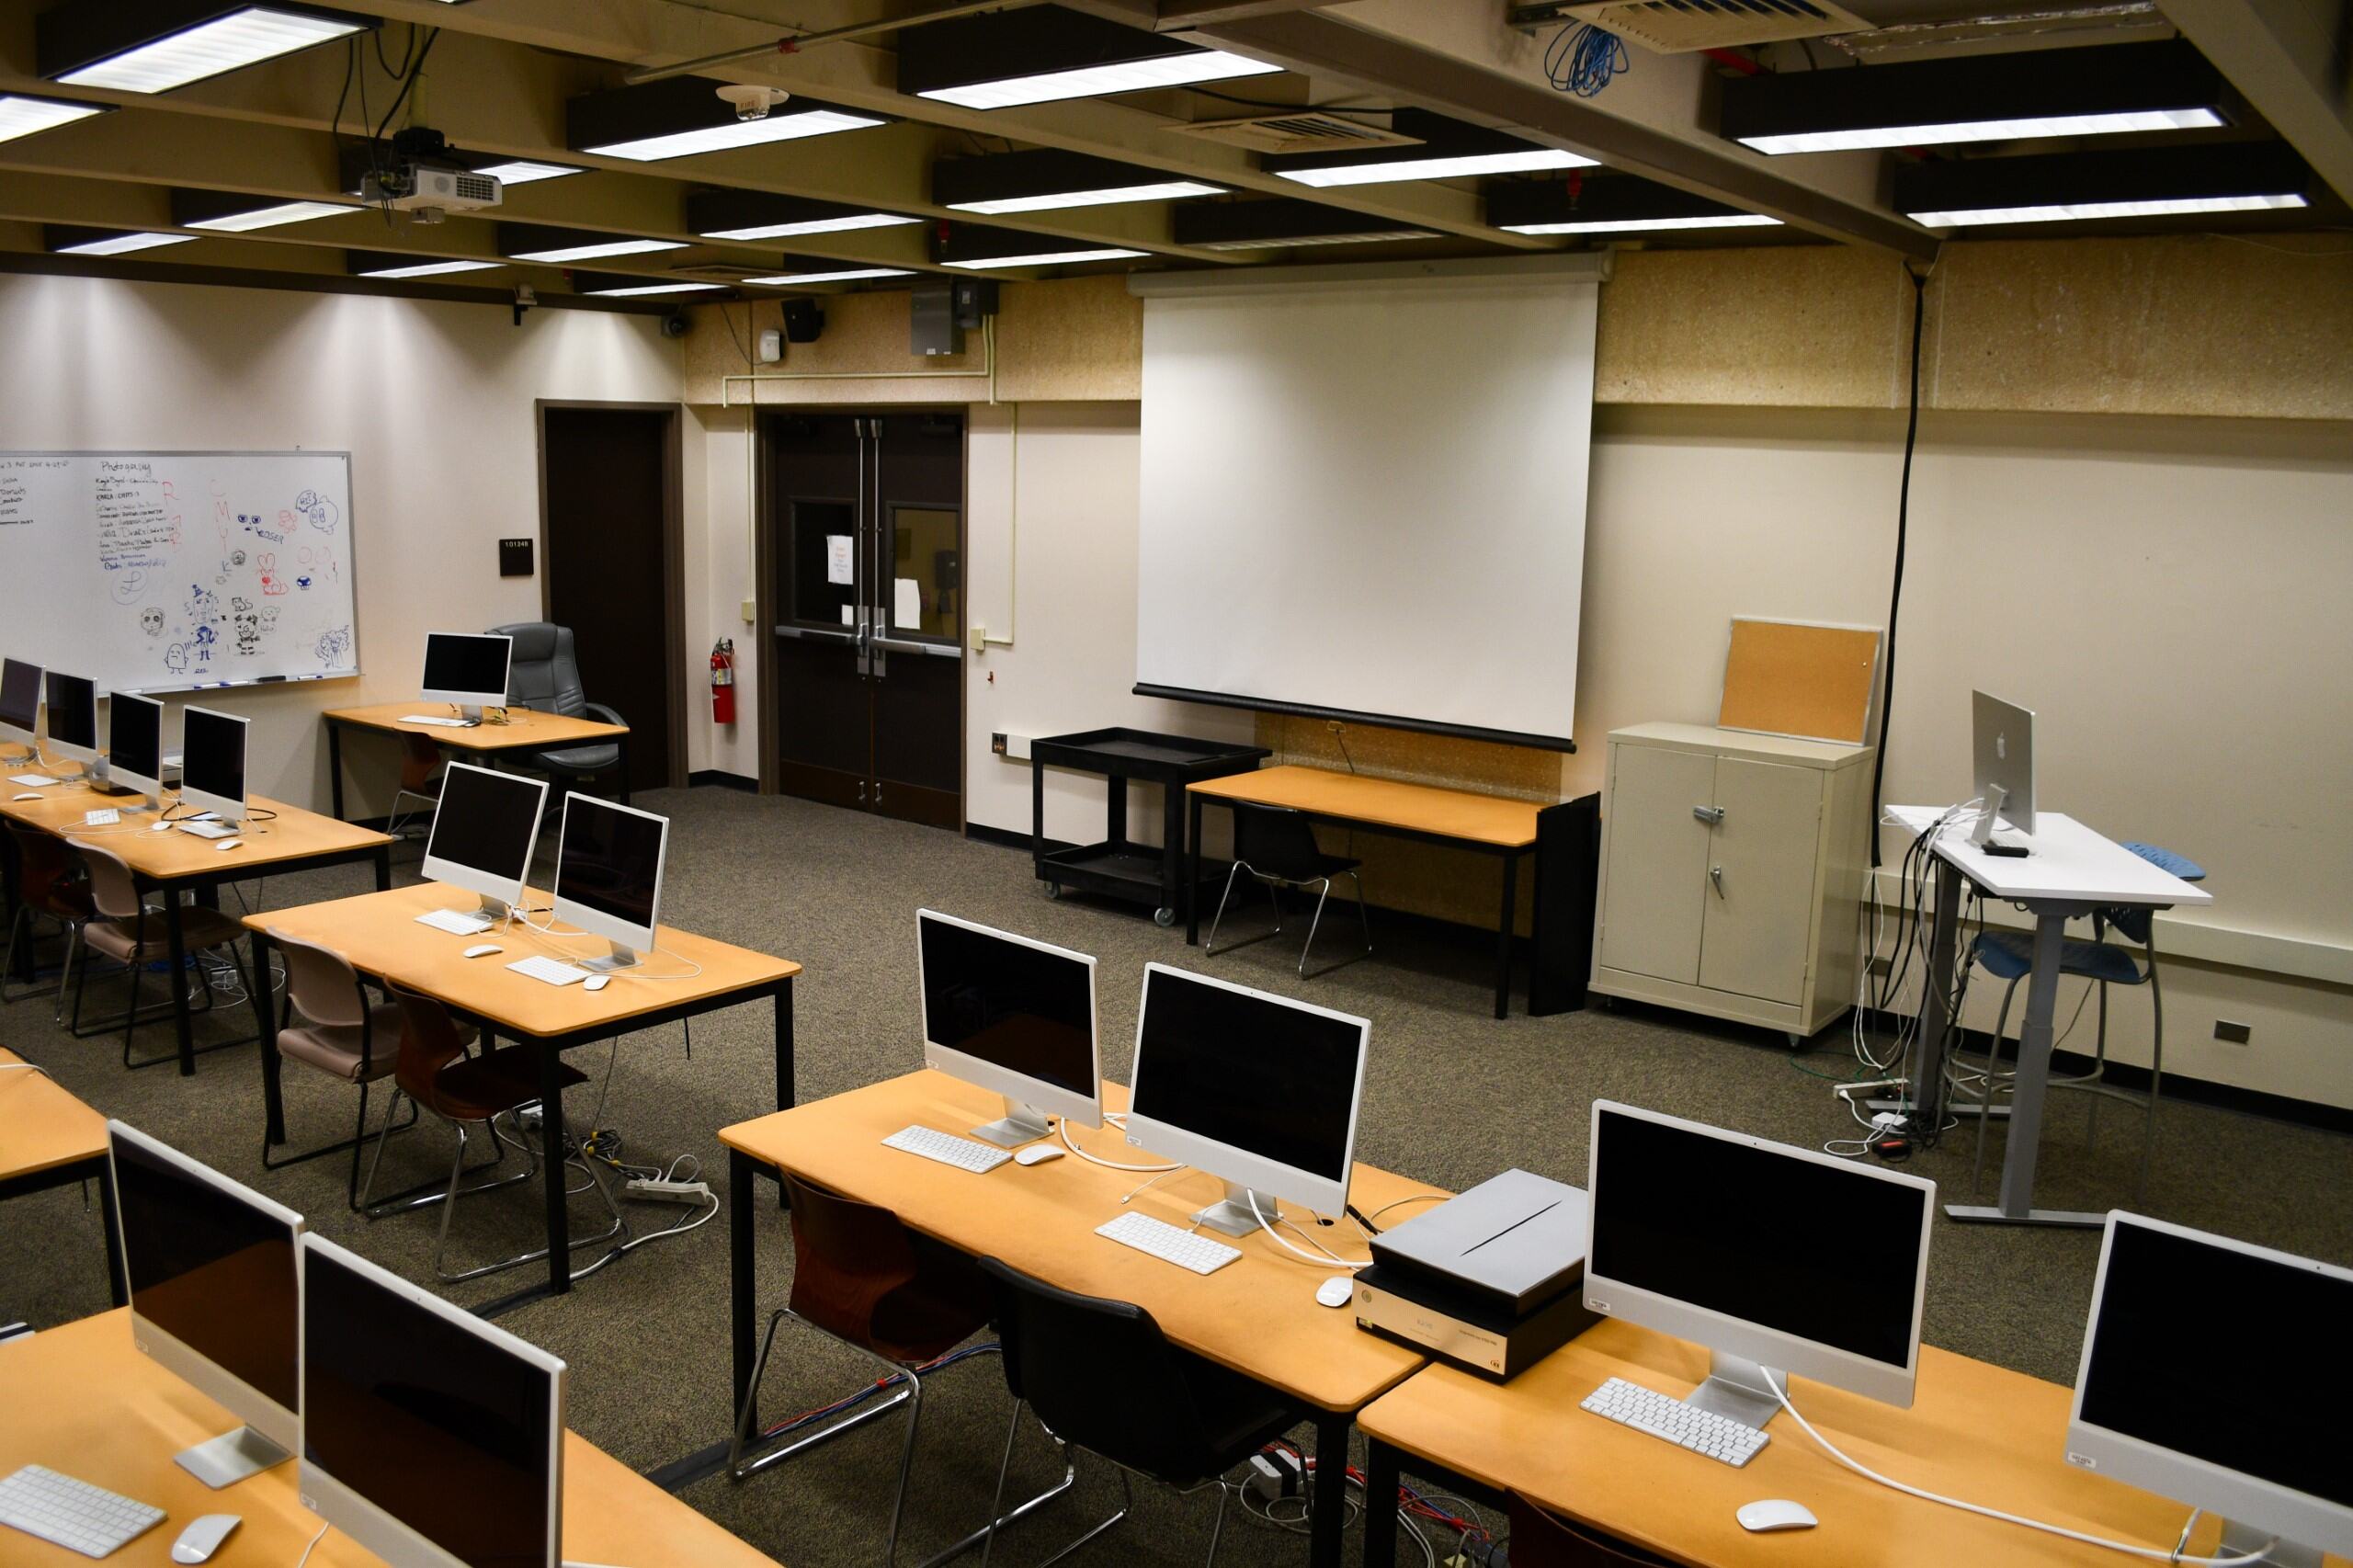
906	606
840	560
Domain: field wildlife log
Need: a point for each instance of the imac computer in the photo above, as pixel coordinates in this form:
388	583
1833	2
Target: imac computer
2217	1374
2002	751
134	760
468	672
74	718
430	1438
1772	1256
19	703
608	875
212	763
1257	1090
1013	1015
484	830
213	1296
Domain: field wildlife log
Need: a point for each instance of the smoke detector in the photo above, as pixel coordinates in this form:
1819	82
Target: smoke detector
753	103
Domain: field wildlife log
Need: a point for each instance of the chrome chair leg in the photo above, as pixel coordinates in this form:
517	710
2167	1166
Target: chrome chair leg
1364	918
1210	946
428	1193
1217	1526
449	1207
998	1518
1243	868
1314	921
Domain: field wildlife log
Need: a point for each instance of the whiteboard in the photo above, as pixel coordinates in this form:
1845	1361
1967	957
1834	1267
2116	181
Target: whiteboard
178	571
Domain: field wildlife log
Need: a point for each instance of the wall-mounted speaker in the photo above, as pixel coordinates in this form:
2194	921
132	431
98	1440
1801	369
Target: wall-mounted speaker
803	320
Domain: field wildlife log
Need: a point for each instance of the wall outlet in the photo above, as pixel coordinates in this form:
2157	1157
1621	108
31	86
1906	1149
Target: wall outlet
979	636
1010	746
2232	1034
997	742
751	611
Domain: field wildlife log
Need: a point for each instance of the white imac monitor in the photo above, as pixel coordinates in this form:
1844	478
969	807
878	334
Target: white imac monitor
2218	1374
212	761
213	1295
466	670
2002	770
1773	1257
483	829
1012	1016
1258	1090
74	717
20	703
609	874
430	1438
134	762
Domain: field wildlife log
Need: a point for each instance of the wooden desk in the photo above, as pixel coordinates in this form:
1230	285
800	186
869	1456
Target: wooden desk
379	934
84	1402
1490	824
525	729
1257	1316
171	862
49	1139
1975	1432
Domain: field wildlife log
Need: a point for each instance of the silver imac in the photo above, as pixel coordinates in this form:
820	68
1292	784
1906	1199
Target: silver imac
608	863
2002	765
21	704
1012	1016
484	830
466	670
134	760
212	763
74	718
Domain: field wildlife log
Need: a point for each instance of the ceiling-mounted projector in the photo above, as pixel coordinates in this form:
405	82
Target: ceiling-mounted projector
430	190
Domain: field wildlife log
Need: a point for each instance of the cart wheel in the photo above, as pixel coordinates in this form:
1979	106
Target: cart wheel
1054	890
1164	917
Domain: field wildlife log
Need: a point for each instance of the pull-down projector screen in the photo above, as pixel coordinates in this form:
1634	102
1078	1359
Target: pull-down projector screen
1367	500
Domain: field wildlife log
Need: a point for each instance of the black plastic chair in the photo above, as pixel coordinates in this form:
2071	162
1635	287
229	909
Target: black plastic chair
1276	845
1100	1376
544	675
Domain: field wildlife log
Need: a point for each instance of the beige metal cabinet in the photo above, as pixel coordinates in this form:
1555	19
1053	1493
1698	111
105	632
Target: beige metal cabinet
1731	868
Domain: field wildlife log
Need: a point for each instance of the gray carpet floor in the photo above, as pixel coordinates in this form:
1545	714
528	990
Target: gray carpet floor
1452	1096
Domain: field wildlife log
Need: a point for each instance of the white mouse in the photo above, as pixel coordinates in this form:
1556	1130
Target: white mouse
1037	1155
28	795
162	824
1336	1291
203	1538
595	983
481	950
1775	1514
228	844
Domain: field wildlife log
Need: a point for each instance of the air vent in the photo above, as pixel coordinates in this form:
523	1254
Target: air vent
477	187
1301	131
1679	26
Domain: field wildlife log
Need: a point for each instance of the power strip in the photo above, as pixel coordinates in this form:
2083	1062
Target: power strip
669	1192
1275	1473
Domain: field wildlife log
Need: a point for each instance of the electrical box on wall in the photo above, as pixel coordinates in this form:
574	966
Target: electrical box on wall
942	312
772	350
514	557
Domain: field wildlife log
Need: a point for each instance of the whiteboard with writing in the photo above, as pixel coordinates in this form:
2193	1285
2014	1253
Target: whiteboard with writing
178	571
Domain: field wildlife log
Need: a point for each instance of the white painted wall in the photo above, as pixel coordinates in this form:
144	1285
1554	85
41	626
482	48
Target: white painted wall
434	402
720	574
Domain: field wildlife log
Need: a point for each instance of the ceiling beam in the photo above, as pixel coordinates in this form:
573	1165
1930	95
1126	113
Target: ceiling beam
1178	14
2294	58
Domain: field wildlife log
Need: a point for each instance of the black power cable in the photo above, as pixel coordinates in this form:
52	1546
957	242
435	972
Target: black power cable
1903	528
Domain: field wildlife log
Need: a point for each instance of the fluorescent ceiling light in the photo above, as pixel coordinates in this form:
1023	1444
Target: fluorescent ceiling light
2080	211
1367	237
1045	258
634	291
1100	81
735	134
120	244
1164	190
271	217
596	249
245	37
844	274
21	116
1439	168
1986	131
525	171
811	227
1643	225
421	268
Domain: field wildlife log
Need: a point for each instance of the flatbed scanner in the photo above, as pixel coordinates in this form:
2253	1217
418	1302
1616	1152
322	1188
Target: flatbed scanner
1491	1280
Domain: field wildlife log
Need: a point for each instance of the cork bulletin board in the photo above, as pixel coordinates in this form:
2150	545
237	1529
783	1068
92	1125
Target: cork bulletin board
1799	678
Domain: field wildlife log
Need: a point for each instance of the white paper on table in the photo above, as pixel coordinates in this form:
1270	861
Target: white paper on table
840	560
906	606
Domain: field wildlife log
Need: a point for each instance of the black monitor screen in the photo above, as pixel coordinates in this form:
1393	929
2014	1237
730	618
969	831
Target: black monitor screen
1013	1005
486	821
2160	1372
611	858
210	1269
1825	1253
1252	1072
212	754
72	712
19	694
456	663
432	1423
135	735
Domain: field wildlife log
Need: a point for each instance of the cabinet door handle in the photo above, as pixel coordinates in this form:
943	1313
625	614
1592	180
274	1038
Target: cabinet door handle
1709	814
1716	875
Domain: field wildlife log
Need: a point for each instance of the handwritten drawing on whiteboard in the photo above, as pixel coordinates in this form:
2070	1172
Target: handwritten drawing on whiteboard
173	570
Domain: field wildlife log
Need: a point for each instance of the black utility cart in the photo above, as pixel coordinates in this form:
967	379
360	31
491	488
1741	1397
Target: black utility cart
1117	866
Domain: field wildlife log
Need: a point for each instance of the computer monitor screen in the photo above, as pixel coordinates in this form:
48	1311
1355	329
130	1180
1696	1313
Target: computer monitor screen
2002	753
465	669
212	761
1011	1015
609	870
73	716
1258	1090
429	1435
135	741
212	1279
1791	1258
20	699
2213	1372
484	830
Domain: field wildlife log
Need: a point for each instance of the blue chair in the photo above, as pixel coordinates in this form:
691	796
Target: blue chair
2008	956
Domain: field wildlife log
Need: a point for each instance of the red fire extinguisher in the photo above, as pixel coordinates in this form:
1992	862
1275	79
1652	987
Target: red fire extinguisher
722	681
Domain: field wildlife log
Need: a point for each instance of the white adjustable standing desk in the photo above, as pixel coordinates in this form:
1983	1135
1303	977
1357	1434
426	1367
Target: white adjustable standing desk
2071	872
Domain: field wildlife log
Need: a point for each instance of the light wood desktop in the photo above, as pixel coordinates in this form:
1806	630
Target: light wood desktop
290	840
1491	825
1975	1432
49	1139
525	729
83	1401
1257	1316
379	935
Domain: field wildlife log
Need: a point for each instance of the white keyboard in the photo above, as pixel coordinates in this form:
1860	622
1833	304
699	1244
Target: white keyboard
1170	1244
964	1154
207	829
437	721
555	971
457	923
105	816
71	1513
1686	1425
31	781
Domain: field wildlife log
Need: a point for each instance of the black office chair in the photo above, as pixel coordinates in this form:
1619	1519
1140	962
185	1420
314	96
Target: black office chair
545	675
1276	845
1101	1377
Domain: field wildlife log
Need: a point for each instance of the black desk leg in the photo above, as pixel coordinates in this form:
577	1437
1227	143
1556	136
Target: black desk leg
552	1151
334	770
621	766
1192	870
266	1028
10	873
1329	1519
742	1257
1037	817
1171	846
784	1085
1379	1504
383	859
177	939
1503	933
118	1287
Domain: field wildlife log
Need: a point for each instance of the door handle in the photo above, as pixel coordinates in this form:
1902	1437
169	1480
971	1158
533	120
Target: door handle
1709	814
1716	875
